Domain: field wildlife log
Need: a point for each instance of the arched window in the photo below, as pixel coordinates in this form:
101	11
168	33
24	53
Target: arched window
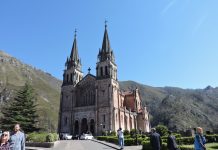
71	77
67	77
106	71
104	118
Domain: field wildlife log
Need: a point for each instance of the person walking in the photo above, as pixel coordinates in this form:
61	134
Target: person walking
171	142
17	140
200	140
120	138
155	140
4	144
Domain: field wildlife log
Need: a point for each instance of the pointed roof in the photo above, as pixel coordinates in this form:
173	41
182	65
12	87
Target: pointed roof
106	42
74	52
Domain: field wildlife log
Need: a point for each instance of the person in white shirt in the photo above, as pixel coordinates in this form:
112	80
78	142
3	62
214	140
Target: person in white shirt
120	138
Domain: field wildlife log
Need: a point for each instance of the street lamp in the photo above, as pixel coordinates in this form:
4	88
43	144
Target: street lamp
101	128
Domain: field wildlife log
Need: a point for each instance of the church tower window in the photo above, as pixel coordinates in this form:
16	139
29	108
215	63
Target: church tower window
67	77
104	118
106	71
71	77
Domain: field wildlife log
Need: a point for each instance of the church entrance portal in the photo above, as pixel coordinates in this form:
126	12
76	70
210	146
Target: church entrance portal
76	127
84	126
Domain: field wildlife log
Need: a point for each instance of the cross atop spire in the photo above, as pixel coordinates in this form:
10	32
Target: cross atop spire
89	70
105	23
75	33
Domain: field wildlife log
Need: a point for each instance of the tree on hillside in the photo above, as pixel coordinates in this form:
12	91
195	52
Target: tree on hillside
22	110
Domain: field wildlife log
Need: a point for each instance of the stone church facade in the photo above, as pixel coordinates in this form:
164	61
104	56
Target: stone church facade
95	103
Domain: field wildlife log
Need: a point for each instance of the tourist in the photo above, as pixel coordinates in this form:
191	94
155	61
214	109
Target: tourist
155	140
171	142
4	144
17	141
120	138
200	140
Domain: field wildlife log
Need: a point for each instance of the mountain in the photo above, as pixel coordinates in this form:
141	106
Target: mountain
177	108
14	74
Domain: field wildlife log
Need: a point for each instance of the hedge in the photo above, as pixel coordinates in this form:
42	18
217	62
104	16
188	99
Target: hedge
185	140
212	138
42	137
147	146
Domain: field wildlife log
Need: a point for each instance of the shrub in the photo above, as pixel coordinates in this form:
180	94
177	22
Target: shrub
185	140
42	137
162	130
112	140
113	133
184	147
129	142
177	135
164	146
211	138
49	138
55	136
132	131
126	132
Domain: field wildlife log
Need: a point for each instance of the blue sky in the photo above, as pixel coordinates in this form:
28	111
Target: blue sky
156	42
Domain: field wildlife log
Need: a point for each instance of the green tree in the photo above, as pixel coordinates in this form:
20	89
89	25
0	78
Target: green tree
22	110
162	130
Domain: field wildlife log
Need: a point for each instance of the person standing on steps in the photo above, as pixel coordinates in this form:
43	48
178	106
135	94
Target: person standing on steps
120	138
155	140
17	140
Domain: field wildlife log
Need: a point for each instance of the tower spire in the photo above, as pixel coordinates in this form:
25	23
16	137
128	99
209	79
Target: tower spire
106	43
74	52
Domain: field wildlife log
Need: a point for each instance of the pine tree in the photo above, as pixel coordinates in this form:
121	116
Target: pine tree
22	110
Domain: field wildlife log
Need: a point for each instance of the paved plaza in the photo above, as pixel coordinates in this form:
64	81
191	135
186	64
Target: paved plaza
86	145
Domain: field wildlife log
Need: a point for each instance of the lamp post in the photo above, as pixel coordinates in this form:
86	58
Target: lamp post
101	129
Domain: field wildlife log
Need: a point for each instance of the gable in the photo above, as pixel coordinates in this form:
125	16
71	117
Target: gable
89	78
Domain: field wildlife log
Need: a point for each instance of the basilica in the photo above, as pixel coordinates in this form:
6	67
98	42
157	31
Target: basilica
95	103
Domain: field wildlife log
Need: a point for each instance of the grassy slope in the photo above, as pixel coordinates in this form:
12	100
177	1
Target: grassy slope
179	108
14	75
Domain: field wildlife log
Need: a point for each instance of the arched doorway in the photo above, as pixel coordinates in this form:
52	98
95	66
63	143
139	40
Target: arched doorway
84	126
76	127
92	126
